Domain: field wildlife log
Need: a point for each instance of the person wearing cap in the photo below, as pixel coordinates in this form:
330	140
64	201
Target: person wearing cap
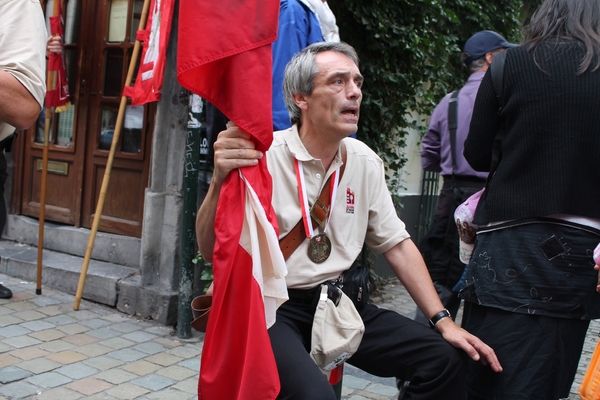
439	153
531	282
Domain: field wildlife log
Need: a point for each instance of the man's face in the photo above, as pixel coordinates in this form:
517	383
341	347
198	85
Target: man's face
334	105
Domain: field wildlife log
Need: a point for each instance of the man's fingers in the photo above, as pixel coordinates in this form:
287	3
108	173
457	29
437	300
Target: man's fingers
233	132
235	144
233	163
473	346
226	160
233	149
484	353
249	154
243	156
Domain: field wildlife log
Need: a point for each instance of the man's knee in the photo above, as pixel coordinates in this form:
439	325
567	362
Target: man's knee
442	364
452	364
442	378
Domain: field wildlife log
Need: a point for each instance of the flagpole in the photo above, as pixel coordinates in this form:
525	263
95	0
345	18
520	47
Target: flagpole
50	81
111	157
38	288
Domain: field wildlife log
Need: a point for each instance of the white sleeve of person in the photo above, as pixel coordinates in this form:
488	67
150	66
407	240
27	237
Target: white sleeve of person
463	216
597	254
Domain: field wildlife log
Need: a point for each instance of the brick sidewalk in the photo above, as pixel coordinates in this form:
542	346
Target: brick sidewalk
49	351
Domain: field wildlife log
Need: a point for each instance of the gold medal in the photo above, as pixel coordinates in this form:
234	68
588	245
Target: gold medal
319	248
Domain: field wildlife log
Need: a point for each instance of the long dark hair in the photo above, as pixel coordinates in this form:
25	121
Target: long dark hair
568	21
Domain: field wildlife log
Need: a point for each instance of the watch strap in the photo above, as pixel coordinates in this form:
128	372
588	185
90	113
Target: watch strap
437	317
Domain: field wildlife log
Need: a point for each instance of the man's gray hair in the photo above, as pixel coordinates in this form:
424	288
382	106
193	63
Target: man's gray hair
300	72
478	63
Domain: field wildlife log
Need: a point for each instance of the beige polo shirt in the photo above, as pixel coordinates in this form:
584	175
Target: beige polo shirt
363	211
23	45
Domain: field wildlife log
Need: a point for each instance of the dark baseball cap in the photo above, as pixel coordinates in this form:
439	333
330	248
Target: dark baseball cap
483	42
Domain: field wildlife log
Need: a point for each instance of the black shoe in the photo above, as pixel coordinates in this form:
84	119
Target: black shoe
5	292
401	385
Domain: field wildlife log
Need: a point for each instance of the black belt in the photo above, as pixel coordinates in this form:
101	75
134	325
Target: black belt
311	296
304	296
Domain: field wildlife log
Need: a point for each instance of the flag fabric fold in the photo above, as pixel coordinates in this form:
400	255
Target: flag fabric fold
154	39
260	240
57	94
224	55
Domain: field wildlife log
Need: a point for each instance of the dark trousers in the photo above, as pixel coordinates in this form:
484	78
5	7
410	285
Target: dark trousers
539	354
3	176
392	346
440	246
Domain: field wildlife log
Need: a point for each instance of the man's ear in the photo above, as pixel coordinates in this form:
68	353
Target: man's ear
300	100
489	56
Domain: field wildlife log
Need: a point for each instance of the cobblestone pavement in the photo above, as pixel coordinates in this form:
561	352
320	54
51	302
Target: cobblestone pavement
49	351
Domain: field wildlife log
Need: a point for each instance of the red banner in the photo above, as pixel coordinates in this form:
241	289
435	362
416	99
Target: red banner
57	95
155	38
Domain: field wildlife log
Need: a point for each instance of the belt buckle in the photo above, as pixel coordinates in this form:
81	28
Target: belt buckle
319	207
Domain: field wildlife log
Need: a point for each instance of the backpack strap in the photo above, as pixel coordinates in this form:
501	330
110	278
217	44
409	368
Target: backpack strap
452	125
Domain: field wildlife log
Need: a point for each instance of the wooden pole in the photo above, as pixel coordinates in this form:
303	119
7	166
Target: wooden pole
50	82
111	157
38	288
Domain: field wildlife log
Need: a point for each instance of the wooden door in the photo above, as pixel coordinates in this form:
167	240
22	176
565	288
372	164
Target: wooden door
99	40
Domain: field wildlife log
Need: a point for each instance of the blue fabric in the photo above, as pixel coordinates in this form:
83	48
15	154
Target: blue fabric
298	27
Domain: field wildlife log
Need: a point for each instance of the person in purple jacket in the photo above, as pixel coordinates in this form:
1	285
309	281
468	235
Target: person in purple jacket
439	153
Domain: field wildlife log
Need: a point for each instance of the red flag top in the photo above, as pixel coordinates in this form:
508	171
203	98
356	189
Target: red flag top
155	37
222	55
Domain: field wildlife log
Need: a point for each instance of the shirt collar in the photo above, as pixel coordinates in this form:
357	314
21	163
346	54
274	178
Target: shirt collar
476	76
292	139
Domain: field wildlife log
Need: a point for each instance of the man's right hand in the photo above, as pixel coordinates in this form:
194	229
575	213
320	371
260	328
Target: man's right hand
233	149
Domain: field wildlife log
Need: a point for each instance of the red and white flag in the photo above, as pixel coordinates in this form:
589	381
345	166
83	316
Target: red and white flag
57	94
224	55
154	38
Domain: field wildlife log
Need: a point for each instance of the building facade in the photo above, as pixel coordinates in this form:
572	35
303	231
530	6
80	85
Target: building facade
139	236
136	257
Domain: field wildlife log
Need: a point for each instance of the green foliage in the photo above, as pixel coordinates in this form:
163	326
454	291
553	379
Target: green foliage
206	274
410	57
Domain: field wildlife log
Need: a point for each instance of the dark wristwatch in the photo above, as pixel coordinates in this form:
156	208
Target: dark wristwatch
437	317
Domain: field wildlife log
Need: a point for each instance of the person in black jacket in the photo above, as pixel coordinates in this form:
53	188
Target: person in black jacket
531	282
